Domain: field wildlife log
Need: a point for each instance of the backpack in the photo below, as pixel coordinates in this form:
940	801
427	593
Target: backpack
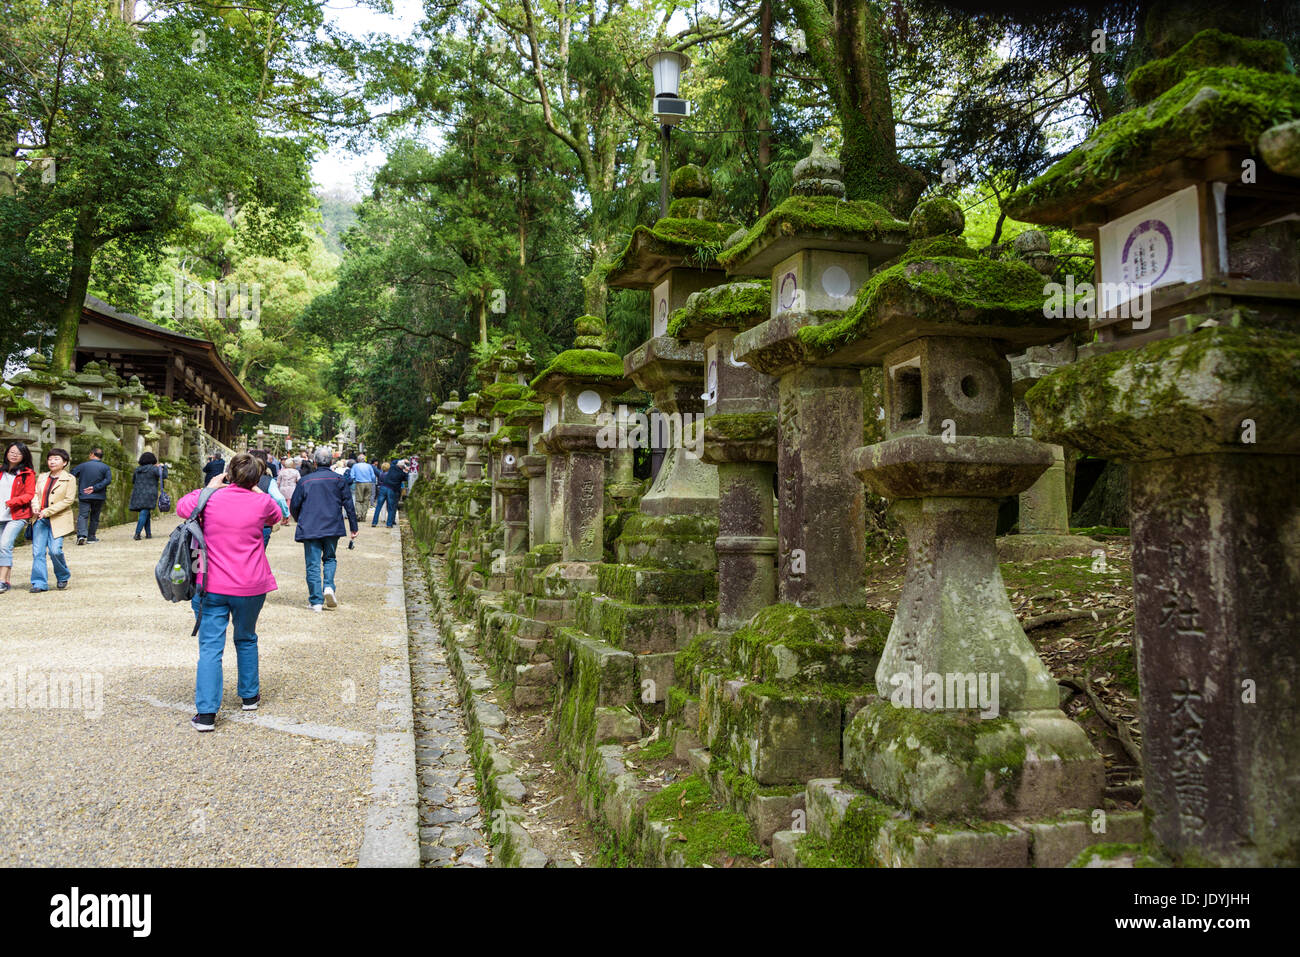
184	555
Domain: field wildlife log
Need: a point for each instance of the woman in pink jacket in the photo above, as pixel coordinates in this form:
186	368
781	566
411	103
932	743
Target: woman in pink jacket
235	582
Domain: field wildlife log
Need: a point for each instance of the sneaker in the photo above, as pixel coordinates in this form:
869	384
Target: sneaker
81	541
34	589
4	587
330	601
63	584
317	607
250	704
203	722
92	539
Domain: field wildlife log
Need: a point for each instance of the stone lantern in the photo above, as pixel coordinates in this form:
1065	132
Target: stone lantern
110	420
818	250
740	440
941	321
577	386
92	384
1195	196
666	259
513	483
453	451
66	402
133	417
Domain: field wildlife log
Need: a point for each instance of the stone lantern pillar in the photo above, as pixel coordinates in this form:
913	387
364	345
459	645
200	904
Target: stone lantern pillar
133	417
452	449
512	486
110	420
577	385
92	384
472	438
818	250
740	439
533	467
67	407
1197	393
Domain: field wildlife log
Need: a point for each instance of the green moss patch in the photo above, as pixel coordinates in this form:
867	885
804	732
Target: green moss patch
709	834
793	646
1208	48
741	427
587	364
734	306
857	219
1208	109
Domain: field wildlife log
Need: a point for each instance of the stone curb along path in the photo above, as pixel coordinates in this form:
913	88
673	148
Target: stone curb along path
392	837
501	792
450	813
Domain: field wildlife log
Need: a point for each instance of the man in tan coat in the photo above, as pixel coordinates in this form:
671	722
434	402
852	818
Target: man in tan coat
52	517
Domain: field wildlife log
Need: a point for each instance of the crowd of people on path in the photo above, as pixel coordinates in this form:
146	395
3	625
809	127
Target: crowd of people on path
324	495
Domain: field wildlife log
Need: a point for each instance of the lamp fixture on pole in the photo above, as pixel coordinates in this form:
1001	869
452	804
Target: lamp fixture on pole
669	109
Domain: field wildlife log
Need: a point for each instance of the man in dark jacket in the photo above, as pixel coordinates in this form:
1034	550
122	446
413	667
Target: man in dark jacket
390	488
216	465
93	478
319	503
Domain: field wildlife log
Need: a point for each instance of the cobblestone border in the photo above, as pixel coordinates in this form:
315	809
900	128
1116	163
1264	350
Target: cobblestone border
501	792
392	836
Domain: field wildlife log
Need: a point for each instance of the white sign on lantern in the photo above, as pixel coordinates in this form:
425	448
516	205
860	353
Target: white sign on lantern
659	325
1157	245
710	396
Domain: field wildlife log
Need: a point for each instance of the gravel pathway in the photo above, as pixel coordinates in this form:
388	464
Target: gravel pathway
113	774
451	821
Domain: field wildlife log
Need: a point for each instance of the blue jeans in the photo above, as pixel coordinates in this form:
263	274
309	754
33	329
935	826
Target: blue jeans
385	494
242	611
266	536
13	528
319	553
142	524
42	541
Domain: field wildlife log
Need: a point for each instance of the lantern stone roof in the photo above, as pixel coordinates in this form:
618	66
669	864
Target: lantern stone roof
1217	93
687	236
815	216
734	305
940	287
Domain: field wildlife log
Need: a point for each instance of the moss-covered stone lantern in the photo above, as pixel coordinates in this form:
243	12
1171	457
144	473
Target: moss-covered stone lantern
817	249
577	386
941	321
740	440
1195	191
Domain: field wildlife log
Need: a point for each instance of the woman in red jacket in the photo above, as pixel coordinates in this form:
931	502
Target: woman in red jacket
17	486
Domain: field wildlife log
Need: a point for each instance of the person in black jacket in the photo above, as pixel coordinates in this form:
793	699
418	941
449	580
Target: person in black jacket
216	465
93	479
390	488
146	483
319	503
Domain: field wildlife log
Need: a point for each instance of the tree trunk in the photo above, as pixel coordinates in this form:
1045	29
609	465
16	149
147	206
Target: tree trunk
69	316
847	44
482	318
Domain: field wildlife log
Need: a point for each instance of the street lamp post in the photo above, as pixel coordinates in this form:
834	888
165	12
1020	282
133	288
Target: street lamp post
669	109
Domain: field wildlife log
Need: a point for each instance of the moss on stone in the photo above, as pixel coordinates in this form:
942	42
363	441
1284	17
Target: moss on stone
1208	109
711	833
589	365
1208	48
695	241
1116	398
496	391
510	435
860	220
690	180
741	426
938	216
522	408
958	289
733	305
852	843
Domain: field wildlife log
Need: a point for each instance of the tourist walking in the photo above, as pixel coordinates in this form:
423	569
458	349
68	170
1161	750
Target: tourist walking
93	477
56	491
17	487
267	484
233	586
288	478
319	503
390	488
216	466
146	484
363	484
